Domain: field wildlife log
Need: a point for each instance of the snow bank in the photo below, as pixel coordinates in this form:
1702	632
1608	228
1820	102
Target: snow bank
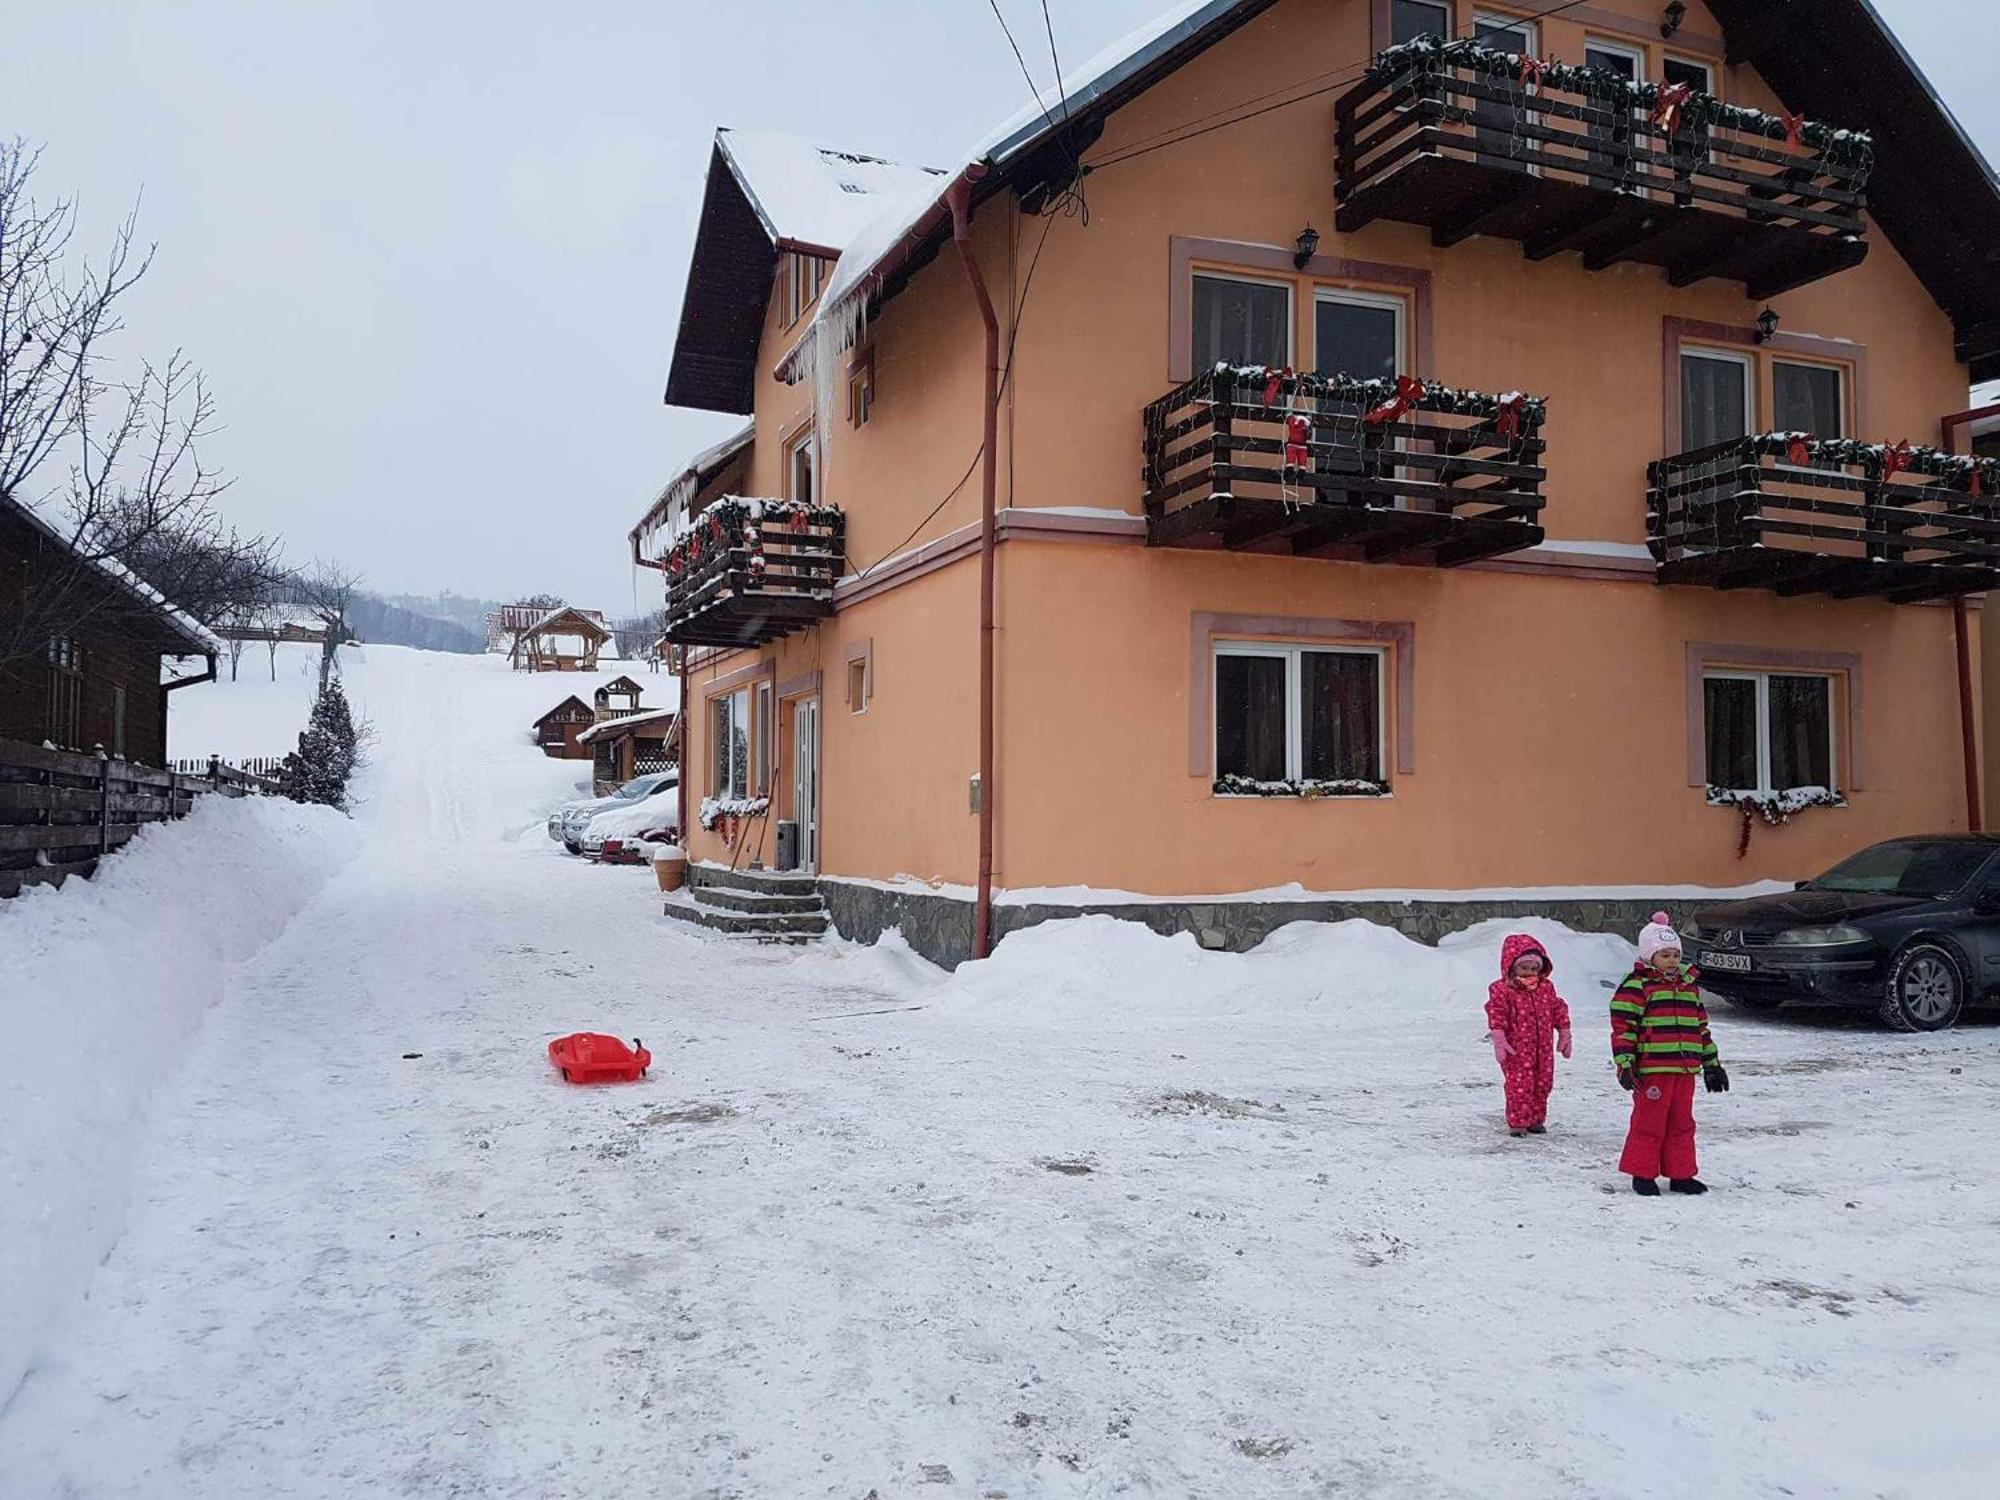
1359	973
106	980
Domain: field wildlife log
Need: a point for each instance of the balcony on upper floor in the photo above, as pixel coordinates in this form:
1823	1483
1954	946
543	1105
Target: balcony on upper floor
1782	511
748	571
1466	140
1259	460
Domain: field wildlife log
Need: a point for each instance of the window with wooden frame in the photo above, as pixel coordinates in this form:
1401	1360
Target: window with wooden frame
729	744
64	708
1808	397
767	732
860	387
1240	320
1410	19
1768	732
1299	713
802	469
1718	396
803	275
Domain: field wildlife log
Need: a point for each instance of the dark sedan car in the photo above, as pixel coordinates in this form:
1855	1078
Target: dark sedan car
1910	928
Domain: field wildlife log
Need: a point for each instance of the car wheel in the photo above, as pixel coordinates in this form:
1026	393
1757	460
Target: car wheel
1925	990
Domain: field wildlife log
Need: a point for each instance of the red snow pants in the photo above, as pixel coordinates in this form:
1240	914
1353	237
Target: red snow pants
1530	1076
1661	1140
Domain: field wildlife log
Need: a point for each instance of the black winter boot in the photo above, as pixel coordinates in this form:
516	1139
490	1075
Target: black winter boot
1686	1185
1538	1130
1645	1187
1518	1132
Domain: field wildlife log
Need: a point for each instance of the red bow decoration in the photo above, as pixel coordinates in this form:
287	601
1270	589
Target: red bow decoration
1532	68
1408	390
1508	423
1298	432
1794	129
1895	460
1273	385
1795	450
1668	104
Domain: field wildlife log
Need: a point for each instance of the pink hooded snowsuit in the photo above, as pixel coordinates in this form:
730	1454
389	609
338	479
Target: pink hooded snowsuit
1530	1017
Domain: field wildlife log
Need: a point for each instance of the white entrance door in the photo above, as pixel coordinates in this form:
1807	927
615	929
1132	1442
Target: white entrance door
805	781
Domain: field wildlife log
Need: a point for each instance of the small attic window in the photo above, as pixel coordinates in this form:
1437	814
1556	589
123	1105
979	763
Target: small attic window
852	187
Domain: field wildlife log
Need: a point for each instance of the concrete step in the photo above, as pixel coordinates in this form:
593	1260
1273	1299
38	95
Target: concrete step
780	927
756	903
763	882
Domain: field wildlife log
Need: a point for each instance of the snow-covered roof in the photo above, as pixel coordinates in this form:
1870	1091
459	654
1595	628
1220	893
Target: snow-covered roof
872	243
589	617
674	496
810	196
197	635
610	728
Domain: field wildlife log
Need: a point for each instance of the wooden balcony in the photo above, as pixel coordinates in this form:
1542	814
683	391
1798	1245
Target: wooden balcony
1849	520
749	571
1257	460
1467	140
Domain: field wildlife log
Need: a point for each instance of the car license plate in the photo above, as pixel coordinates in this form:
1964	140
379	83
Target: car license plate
1735	963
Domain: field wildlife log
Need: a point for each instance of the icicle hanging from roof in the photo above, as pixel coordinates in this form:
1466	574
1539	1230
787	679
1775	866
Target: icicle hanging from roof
836	330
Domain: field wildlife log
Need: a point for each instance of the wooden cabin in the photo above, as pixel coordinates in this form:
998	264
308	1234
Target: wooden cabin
556	731
631	745
562	640
96	681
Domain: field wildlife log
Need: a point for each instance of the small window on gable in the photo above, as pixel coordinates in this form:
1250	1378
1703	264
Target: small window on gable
1241	322
857	685
860	388
1410	19
802	276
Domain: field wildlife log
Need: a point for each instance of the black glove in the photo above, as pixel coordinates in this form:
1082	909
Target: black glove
1715	1079
1625	1079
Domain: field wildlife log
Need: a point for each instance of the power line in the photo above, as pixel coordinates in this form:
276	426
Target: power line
1176	134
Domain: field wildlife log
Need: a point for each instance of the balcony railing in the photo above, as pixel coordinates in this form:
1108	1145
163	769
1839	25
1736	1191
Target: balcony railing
1468	140
1249	458
1784	512
749	571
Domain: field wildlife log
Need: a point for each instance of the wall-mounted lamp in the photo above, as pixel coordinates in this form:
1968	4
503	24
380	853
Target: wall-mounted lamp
1307	243
1767	326
1676	12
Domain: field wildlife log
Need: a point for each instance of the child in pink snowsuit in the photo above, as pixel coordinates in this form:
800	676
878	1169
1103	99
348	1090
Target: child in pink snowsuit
1528	1023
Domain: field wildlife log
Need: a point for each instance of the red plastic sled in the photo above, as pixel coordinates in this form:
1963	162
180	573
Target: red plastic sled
592	1057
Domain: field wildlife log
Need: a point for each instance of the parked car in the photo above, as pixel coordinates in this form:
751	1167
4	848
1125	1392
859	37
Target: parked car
652	819
567	823
1909	928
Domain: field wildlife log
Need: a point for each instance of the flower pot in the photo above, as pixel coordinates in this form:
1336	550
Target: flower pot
669	867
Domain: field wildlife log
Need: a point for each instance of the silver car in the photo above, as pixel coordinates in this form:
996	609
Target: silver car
569	821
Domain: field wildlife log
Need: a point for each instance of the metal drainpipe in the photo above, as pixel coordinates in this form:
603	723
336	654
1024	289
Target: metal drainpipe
958	197
1947	436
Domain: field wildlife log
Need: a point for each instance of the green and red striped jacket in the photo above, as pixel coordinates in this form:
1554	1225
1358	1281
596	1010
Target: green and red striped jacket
1658	1023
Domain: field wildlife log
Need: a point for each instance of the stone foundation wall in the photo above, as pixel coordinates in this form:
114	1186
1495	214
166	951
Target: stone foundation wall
940	927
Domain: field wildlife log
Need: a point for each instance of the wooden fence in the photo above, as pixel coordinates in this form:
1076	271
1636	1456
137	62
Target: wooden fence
61	811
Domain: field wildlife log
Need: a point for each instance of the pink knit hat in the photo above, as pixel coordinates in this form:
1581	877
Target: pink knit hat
1655	935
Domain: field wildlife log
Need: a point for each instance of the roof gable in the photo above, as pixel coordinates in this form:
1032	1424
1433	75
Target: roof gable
572	702
765	192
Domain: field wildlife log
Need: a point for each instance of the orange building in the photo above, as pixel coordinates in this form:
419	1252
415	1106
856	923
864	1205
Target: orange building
1389	466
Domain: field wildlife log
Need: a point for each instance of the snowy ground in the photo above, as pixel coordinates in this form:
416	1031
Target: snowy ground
1106	1215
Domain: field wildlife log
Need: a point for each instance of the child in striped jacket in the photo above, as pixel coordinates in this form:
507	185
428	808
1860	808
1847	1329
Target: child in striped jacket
1659	1041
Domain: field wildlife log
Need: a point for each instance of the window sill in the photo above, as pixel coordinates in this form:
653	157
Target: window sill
1776	803
1244	789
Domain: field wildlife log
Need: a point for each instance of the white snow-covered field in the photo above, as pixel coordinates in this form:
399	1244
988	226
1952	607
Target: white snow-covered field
1106	1215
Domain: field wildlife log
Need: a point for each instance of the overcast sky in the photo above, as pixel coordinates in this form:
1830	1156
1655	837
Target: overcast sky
431	256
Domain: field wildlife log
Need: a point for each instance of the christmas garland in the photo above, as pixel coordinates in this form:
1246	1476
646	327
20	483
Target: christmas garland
1775	808
1977	476
732	523
1674	105
1306	787
1402	392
